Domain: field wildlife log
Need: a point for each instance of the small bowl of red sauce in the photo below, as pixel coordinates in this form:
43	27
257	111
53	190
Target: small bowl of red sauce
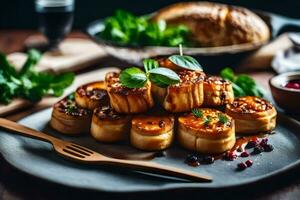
285	90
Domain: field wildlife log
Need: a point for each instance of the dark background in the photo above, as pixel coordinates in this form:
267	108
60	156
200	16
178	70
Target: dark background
20	13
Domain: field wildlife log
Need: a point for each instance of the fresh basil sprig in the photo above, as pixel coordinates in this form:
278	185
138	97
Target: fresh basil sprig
163	77
243	85
133	77
150	64
186	62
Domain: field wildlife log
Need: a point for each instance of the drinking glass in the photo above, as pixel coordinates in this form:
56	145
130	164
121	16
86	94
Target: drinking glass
55	20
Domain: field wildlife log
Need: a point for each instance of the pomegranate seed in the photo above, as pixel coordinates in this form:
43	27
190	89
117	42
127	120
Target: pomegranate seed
249	163
264	141
230	156
257	149
241	166
191	158
244	154
251	144
208	159
268	148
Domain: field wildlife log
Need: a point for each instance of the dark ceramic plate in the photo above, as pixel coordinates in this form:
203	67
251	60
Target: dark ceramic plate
37	158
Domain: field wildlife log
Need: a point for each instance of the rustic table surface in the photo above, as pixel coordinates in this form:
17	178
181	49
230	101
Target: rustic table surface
15	185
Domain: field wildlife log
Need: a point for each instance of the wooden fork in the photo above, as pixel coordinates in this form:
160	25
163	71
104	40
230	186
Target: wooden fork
84	155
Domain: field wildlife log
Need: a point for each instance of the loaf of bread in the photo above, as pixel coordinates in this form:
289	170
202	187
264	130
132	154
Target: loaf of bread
213	24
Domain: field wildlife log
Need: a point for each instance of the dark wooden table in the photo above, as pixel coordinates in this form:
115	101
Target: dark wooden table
15	185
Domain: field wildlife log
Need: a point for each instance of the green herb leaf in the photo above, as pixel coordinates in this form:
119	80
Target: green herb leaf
127	29
228	74
29	83
186	62
163	77
207	120
33	57
243	85
223	118
133	78
150	64
197	112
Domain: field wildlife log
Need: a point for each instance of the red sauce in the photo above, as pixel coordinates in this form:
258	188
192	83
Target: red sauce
294	84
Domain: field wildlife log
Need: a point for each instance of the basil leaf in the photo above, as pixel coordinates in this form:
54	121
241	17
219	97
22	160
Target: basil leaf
186	62
133	78
243	85
128	29
32	59
163	77
29	83
228	74
150	64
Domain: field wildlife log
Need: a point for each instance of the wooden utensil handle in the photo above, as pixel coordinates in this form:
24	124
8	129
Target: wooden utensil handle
23	130
158	169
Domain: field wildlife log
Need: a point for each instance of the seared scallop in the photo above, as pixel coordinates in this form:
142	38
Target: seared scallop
217	91
152	133
183	96
92	95
206	131
128	100
110	126
252	114
68	118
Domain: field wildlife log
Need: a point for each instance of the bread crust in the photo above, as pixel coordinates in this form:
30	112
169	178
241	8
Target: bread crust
214	24
252	115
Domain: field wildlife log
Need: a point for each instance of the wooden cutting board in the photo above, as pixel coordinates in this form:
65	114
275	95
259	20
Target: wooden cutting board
75	54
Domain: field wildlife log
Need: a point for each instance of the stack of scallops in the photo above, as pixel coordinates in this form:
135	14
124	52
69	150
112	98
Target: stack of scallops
203	108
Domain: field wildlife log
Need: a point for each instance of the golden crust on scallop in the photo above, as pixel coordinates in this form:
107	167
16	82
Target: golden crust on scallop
109	126
68	118
92	95
252	114
217	91
214	24
184	96
128	100
210	132
152	132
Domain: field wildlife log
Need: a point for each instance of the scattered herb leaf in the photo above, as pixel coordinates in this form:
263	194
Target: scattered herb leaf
197	112
150	64
243	85
207	120
223	118
133	77
186	62
163	77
